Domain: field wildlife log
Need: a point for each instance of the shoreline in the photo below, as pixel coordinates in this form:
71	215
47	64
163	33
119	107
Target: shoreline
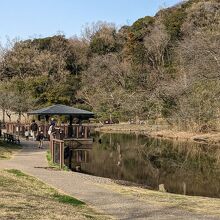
164	132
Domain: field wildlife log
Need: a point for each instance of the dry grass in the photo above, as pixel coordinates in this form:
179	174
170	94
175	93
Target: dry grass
162	132
195	204
25	197
124	128
7	150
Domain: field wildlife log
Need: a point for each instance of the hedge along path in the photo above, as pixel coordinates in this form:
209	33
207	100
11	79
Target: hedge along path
92	190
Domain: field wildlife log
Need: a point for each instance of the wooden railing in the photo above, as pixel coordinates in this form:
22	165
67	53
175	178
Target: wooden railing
11	138
74	131
57	152
61	132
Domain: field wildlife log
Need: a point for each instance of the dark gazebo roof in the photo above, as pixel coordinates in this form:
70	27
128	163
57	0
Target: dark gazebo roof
62	110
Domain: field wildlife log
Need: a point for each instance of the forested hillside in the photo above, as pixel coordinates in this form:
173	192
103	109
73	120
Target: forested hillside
165	67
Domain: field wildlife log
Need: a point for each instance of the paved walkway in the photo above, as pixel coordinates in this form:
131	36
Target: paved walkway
84	187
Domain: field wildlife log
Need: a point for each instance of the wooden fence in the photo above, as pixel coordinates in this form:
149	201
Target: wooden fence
74	134
57	152
61	132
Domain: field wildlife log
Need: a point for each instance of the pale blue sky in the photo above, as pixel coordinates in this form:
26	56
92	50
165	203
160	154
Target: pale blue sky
40	18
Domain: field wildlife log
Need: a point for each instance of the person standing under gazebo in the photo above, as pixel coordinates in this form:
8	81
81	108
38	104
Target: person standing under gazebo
52	122
34	129
51	131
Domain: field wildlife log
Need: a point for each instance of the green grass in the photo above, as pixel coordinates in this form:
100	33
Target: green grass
25	197
54	165
18	173
49	159
68	199
59	197
50	162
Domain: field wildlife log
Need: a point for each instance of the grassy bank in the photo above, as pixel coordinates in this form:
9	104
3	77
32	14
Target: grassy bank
7	150
195	204
163	132
25	197
53	165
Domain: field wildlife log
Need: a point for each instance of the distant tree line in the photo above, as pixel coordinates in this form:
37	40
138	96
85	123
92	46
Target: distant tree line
165	67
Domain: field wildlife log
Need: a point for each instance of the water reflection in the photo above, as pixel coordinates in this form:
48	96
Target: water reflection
183	168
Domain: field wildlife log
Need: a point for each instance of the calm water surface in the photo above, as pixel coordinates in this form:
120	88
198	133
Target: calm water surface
183	168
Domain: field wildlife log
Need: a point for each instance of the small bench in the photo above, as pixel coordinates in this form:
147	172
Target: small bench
11	138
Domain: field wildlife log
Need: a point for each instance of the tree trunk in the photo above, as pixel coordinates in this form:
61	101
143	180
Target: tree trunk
19	116
3	116
9	116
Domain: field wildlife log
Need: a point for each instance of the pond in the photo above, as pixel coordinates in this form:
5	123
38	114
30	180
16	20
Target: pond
182	167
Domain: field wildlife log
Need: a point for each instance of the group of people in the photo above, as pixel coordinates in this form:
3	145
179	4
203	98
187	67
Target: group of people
38	135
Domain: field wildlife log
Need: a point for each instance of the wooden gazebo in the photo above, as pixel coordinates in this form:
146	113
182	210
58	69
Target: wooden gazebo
71	130
66	135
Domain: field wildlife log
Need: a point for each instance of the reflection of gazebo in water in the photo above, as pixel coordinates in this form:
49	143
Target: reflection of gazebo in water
66	136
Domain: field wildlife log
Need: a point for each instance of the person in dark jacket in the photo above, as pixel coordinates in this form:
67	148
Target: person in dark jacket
53	122
34	129
40	138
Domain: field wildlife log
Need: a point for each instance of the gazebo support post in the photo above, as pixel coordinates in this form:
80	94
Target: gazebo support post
70	127
52	150
47	118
